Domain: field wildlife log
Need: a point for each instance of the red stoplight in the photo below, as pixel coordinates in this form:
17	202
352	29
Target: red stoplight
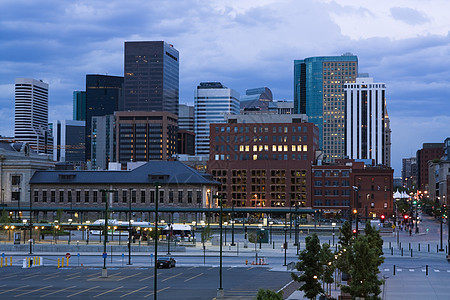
354	231
406	217
382	217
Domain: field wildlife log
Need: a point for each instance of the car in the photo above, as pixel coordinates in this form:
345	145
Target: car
165	262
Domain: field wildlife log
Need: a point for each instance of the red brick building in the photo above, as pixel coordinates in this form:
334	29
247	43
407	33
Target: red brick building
335	189
428	152
263	161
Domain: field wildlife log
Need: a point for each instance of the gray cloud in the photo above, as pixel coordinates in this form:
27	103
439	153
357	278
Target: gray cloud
409	15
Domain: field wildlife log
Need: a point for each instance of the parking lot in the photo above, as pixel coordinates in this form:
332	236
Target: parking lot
175	283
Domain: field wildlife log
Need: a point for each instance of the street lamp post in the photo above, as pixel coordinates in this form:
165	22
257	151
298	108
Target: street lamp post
31	224
355	211
285	244
105	240
226	224
193	230
155	292
270	231
232	224
220	292
333	225
130	229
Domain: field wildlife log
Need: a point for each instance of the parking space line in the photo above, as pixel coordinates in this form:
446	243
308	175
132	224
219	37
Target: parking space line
20	287
9	276
110	291
250	268
126	277
148	277
210	268
171	277
54	276
192	268
54	292
72	277
230	268
159	291
25	278
194	277
132	292
77	293
45	287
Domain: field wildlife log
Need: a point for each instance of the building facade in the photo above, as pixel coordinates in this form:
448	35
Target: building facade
103	146
263	162
429	151
68	141
186	117
409	173
102	98
151	82
79	105
180	186
31	114
145	136
212	101
365	120
319	93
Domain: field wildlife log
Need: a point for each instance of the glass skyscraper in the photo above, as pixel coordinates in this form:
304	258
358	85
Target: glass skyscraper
79	105
102	98
211	102
319	93
151	77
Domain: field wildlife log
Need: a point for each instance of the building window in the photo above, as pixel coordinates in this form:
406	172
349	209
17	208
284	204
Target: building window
69	196
124	196
385	205
36	196
170	196
86	196
189	196
199	197
152	196
180	194
53	196
116	197
15	180
95	197
161	196
104	197
78	196
61	196
142	196
44	196
133	196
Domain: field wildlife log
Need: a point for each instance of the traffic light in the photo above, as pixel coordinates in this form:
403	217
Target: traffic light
406	217
382	217
354	231
355	211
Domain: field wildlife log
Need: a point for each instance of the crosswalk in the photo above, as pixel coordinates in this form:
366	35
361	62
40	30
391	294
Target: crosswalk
414	270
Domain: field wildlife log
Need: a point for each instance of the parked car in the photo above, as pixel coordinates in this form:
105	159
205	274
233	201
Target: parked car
165	262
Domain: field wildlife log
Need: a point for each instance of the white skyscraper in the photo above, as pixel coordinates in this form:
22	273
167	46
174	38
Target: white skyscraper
212	101
31	114
367	121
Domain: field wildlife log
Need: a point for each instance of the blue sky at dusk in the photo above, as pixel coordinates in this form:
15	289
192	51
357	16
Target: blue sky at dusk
243	44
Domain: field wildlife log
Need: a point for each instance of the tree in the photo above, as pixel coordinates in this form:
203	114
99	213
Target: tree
5	218
346	236
311	267
345	243
268	295
206	234
365	261
326	260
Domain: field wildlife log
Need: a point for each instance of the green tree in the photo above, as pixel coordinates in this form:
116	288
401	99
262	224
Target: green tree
345	243
327	261
268	295
346	236
206	234
4	218
311	267
365	261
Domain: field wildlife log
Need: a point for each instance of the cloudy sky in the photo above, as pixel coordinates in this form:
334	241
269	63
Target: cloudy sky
243	44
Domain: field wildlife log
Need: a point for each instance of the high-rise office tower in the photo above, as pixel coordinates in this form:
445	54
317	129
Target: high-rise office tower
79	105
365	128
102	98
31	114
103	146
319	93
151	77
212	101
186	117
68	141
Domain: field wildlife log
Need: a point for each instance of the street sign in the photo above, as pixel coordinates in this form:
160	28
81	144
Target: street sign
67	255
123	255
3	255
393	226
105	255
151	255
78	254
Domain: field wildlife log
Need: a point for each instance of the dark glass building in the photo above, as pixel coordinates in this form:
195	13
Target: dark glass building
102	98
151	77
79	105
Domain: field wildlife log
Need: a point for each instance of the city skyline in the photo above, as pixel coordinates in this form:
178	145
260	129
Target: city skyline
242	45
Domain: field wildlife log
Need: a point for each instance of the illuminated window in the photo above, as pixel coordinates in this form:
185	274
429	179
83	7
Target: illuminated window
299	147
294	148
255	157
241	148
274	147
266	148
247	148
280	147
255	148
285	148
305	147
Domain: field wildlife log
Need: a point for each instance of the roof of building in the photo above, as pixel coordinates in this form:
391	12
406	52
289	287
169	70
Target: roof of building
163	172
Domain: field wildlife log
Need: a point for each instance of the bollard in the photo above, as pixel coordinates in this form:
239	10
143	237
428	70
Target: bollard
419	247
446	248
400	244
409	246
10	261
392	251
394	270
6	261
428	247
426	272
402	251
246	262
29	262
273	245
389	244
437	248
67	261
411	253
1	263
58	263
